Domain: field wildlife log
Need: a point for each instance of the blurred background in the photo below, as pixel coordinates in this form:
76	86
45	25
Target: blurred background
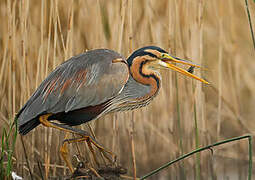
36	36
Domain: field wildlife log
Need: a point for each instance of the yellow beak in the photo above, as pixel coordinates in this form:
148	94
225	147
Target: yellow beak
165	62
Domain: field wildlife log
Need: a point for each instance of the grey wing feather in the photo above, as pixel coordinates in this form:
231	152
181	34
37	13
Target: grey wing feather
85	80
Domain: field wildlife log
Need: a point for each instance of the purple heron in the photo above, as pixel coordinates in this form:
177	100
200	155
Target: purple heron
95	83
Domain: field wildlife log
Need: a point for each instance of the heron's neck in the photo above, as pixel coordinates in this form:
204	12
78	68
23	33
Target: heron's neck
141	73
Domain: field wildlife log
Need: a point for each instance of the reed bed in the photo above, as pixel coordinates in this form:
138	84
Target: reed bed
36	36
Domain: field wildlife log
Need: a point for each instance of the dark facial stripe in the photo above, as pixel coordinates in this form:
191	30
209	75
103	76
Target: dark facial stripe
148	75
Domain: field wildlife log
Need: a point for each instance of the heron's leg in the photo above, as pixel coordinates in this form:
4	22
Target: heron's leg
44	121
90	140
104	151
92	151
65	154
85	136
75	140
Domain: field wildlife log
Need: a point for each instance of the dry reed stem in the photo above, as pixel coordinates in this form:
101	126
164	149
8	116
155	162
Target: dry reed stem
132	123
220	71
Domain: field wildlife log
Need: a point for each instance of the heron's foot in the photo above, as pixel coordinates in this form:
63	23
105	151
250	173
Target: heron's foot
107	154
110	156
84	136
65	155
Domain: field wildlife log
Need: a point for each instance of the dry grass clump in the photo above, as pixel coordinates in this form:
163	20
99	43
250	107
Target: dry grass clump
36	36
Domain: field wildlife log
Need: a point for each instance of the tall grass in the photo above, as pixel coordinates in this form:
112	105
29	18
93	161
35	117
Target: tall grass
36	36
8	140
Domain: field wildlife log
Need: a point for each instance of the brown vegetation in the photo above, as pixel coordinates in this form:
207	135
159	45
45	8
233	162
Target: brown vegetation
36	36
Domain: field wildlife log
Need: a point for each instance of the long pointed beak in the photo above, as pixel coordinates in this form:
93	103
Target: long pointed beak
166	62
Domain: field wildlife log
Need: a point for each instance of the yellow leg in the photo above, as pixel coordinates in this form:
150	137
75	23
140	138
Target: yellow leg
84	137
44	121
91	141
65	154
92	151
104	151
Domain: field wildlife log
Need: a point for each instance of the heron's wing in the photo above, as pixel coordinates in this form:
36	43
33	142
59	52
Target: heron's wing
86	80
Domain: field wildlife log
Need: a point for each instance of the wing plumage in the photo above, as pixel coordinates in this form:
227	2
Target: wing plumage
86	80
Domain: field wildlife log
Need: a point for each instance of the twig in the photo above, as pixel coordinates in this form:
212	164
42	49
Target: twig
25	153
131	134
95	172
39	164
128	177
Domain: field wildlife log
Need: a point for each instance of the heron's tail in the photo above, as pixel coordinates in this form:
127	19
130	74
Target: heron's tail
27	126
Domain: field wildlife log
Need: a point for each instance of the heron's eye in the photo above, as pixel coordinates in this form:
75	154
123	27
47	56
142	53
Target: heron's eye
163	56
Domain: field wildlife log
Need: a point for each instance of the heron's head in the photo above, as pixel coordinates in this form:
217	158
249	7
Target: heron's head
158	58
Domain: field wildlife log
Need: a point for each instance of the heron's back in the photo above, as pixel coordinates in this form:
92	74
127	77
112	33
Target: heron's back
84	81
